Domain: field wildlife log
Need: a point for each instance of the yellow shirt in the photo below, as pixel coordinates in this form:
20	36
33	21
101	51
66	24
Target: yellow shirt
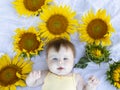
54	82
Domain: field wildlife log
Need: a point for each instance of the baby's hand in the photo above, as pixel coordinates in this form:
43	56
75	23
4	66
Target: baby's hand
32	78
35	75
92	83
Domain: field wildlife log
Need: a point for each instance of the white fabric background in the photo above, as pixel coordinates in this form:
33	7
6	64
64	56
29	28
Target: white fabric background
10	20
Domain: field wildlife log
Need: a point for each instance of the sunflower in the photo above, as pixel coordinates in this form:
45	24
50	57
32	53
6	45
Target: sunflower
96	28
97	53
30	7
27	42
113	74
57	21
13	72
94	53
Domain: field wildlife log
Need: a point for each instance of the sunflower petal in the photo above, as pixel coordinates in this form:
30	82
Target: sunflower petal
12	87
20	83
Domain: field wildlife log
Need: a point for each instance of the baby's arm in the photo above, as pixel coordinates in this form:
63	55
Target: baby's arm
91	85
35	78
80	82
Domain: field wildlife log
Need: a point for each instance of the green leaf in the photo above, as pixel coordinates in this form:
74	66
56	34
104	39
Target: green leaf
83	62
80	66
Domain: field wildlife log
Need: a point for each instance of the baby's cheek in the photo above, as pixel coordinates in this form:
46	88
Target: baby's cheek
69	66
50	63
70	63
52	66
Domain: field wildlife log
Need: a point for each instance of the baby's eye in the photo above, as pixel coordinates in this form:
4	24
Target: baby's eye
65	58
55	59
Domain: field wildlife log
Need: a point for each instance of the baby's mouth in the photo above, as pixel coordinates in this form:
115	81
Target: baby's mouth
60	68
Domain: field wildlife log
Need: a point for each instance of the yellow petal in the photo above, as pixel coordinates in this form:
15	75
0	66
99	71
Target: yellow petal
27	68
20	83
12	87
15	60
18	75
4	88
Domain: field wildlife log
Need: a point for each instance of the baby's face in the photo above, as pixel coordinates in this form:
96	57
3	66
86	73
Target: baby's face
61	62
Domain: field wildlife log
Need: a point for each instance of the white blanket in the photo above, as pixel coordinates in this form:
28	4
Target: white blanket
9	21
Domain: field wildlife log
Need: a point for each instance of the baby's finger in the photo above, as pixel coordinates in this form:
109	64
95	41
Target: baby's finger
34	73
39	74
91	77
97	81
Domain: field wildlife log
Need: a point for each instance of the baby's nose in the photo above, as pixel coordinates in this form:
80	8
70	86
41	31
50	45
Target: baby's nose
61	61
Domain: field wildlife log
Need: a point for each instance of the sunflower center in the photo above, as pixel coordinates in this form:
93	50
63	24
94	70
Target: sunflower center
29	42
97	52
97	28
8	75
33	5
57	24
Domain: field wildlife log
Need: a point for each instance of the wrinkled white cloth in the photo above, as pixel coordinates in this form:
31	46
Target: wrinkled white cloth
10	20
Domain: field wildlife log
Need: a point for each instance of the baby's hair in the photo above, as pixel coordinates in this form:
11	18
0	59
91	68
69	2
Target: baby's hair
57	43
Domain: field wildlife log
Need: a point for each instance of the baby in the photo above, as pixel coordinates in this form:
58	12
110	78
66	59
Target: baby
60	60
